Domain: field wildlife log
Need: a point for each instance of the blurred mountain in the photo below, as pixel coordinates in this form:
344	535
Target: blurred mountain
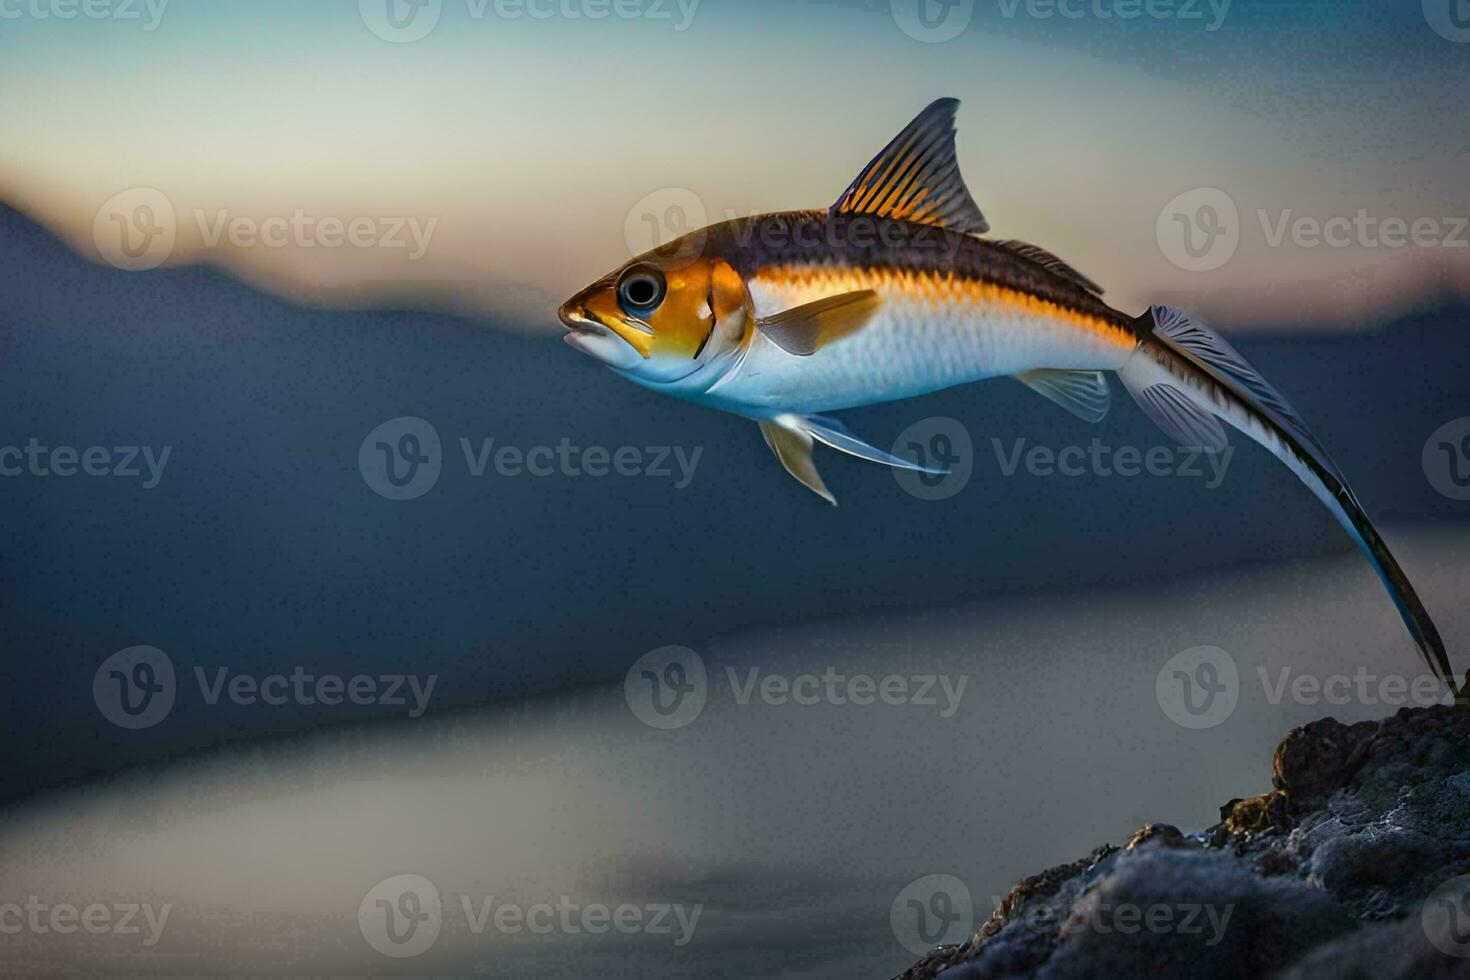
264	548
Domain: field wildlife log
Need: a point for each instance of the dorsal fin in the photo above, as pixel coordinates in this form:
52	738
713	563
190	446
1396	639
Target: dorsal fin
1049	262
917	177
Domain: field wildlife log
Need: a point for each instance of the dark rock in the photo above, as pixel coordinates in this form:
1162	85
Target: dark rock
1166	835
1380	951
1338	872
1315	760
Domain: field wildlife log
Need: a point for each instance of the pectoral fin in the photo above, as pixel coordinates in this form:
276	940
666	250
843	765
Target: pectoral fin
804	330
793	448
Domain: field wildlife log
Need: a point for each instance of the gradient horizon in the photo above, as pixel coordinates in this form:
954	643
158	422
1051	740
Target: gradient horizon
544	150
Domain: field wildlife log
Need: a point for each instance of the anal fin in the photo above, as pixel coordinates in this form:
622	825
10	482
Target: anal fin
793	448
1083	393
1185	422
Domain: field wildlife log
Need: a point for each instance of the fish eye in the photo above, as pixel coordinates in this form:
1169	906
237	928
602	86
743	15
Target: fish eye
641	290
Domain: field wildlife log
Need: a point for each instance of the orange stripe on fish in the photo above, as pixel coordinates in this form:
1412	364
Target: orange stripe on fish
939	288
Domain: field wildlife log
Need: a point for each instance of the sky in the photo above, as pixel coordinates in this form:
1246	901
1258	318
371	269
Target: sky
496	155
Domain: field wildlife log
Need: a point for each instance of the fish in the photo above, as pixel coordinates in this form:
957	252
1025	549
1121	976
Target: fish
895	291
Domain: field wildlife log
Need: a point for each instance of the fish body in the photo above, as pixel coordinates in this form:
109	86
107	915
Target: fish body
892	292
953	309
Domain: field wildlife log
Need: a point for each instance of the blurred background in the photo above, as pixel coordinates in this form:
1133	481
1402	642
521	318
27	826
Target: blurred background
256	672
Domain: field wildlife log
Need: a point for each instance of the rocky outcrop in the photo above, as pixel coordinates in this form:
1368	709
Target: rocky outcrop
1349	867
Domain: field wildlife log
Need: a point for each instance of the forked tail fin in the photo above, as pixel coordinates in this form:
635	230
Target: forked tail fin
1185	377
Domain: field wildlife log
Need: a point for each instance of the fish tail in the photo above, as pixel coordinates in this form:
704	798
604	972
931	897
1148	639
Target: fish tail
1186	378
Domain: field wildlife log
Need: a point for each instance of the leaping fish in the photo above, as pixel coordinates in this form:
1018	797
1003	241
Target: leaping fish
892	293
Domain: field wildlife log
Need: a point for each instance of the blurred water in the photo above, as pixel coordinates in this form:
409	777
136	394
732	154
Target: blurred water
793	827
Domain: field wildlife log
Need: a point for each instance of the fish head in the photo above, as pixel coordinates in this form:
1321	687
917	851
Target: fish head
661	316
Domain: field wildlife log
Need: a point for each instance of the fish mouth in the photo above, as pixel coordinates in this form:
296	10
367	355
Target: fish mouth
589	334
576	320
